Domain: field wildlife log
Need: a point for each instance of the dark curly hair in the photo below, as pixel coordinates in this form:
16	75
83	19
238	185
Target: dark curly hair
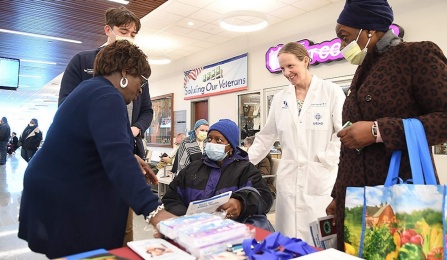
119	56
121	16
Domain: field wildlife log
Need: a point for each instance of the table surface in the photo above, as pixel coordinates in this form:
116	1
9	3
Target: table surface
126	252
165	180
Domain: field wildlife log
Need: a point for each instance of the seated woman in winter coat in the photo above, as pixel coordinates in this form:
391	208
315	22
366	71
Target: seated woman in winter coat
225	167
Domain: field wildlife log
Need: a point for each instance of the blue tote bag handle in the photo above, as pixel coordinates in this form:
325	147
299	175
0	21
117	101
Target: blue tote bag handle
422	169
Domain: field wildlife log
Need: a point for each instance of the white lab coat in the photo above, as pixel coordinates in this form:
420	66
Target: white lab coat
310	153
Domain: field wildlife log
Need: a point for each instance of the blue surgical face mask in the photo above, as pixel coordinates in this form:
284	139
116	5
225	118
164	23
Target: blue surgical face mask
216	152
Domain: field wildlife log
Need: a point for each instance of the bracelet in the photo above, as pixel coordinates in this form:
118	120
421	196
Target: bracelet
155	212
374	129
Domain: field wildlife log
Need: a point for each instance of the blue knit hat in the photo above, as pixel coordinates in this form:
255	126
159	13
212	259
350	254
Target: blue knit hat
228	129
192	133
367	14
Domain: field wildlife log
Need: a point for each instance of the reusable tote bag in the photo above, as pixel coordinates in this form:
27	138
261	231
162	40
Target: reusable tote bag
399	221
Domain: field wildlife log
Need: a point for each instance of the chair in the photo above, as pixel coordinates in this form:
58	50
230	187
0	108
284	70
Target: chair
148	156
275	164
273	171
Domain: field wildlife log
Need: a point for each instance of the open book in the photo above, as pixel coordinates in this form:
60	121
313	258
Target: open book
157	248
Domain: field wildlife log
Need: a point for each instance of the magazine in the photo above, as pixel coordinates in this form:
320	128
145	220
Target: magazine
157	248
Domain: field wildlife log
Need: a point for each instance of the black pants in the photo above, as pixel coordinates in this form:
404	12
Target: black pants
27	154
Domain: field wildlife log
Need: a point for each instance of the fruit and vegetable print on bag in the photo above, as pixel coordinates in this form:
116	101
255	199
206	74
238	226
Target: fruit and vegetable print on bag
399	220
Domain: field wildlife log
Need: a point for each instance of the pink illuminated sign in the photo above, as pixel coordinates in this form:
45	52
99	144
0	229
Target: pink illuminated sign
322	52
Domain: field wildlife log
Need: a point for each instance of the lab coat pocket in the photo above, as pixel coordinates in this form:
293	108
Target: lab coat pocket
320	180
286	177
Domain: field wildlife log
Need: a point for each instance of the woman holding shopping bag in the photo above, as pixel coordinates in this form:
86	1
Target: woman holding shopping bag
394	80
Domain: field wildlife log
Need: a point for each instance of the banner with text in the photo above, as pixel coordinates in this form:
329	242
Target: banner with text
219	78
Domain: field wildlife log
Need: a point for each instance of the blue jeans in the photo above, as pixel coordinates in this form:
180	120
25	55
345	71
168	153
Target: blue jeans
3	148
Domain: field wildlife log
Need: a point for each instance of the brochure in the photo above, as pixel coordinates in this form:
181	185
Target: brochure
208	205
157	248
324	234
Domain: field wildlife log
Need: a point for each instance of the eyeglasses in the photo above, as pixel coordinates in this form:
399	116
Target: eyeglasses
144	81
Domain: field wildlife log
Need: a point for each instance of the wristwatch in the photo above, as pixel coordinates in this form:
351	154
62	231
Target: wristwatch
374	129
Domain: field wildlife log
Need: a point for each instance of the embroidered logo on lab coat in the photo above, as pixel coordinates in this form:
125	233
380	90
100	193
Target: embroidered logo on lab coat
285	105
318	117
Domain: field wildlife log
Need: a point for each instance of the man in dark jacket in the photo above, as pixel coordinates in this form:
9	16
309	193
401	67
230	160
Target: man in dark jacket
5	132
30	140
121	24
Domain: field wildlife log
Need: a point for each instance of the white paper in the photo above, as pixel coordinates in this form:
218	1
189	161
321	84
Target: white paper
158	248
208	205
328	254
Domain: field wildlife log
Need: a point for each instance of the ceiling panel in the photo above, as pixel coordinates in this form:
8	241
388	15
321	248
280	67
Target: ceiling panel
164	28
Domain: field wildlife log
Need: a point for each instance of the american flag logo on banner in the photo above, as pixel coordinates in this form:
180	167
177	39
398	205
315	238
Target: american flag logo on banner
191	74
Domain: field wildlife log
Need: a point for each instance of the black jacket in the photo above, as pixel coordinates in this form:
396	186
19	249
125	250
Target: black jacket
31	137
5	132
203	179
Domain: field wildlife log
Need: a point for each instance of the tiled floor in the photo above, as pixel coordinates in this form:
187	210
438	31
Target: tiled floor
11	185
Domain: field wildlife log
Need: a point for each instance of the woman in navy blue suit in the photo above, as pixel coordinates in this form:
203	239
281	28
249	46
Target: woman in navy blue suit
78	188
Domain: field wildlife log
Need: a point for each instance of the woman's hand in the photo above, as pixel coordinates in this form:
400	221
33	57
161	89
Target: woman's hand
233	208
160	216
147	171
358	135
330	210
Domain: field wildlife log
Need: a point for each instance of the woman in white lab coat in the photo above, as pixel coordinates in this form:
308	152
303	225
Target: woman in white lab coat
305	116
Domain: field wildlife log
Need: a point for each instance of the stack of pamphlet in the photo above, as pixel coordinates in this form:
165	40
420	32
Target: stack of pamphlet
204	234
170	227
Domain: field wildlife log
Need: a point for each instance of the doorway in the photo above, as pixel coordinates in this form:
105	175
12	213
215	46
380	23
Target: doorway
199	110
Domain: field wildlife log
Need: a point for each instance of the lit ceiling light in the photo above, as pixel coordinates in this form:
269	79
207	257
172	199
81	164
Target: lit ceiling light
259	19
155	61
40	36
190	23
159	59
124	2
39	61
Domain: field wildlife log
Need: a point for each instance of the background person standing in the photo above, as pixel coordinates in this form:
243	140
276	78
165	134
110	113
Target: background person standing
5	132
30	140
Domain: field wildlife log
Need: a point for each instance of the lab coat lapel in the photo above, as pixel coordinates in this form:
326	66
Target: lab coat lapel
310	96
291	101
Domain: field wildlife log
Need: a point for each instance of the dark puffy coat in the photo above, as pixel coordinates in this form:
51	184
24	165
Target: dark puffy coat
204	179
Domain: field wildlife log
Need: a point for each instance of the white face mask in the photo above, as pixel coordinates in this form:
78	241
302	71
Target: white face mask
202	135
216	152
353	53
122	38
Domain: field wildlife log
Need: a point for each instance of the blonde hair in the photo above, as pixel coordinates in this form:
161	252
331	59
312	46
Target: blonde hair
296	49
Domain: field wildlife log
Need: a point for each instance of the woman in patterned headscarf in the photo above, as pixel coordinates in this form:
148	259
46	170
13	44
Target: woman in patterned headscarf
191	148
